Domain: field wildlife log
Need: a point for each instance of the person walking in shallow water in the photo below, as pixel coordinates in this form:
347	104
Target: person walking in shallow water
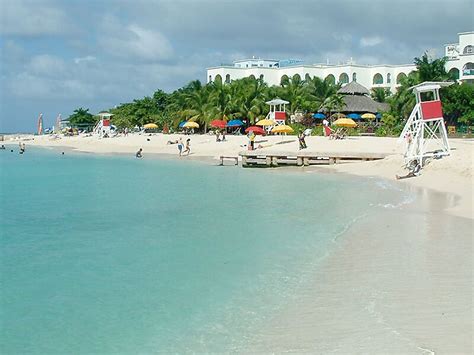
139	153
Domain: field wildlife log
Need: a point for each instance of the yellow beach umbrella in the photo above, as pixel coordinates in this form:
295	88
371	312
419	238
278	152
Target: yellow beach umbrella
265	123
345	122
150	126
282	129
368	116
191	124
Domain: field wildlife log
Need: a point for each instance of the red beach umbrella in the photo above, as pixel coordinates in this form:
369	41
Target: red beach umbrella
218	124
256	130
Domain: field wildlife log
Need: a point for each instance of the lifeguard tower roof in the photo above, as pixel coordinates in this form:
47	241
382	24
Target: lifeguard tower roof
430	85
277	102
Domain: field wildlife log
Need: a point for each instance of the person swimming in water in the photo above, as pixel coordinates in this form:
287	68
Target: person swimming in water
139	153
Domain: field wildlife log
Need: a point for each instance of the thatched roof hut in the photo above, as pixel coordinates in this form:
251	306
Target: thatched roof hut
356	99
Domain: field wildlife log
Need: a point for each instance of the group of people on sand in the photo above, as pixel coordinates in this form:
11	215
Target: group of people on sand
182	147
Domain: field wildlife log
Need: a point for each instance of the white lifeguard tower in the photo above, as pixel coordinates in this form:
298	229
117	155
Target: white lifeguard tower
277	111
425	133
103	126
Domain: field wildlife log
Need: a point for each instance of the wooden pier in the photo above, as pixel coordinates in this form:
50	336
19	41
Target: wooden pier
273	159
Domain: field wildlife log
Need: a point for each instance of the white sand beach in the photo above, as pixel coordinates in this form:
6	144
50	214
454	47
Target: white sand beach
385	288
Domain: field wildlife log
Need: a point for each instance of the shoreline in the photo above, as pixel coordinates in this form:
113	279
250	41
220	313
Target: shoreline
452	174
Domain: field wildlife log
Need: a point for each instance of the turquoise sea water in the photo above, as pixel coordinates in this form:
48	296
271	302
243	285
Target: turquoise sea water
114	254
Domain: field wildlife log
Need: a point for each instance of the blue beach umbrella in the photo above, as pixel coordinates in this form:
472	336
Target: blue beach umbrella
235	123
182	124
378	116
319	116
354	116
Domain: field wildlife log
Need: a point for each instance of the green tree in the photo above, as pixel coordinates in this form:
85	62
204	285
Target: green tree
458	103
431	70
293	90
380	94
318	91
82	116
333	103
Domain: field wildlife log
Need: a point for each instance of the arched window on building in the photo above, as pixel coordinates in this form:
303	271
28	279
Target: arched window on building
227	78
343	78
218	78
354	76
252	77
468	50
468	69
261	77
330	79
378	79
400	77
284	79
210	78
389	78
454	73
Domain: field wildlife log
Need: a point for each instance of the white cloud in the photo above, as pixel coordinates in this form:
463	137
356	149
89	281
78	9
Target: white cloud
133	41
32	18
370	41
88	58
46	65
29	86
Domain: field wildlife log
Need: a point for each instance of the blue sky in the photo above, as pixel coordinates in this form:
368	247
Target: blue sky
60	55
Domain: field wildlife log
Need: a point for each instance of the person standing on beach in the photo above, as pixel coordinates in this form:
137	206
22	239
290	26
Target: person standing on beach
252	140
188	146
180	146
325	124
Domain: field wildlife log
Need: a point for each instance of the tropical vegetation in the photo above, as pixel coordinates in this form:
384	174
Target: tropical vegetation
245	99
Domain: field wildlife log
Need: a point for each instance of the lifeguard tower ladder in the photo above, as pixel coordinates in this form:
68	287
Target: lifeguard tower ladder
103	126
425	133
277	111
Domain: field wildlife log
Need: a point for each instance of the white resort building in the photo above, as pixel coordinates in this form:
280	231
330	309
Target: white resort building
460	63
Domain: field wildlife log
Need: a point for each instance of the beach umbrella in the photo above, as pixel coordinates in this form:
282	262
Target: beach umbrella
368	116
191	124
378	116
345	122
256	130
181	124
218	124
265	123
319	116
150	126
235	123
354	116
282	129
338	115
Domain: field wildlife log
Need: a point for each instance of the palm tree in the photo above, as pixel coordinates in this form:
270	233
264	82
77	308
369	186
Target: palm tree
431	70
199	108
333	103
220	97
248	98
380	94
318	91
293	90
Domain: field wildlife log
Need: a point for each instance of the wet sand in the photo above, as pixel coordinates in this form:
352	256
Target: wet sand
398	284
